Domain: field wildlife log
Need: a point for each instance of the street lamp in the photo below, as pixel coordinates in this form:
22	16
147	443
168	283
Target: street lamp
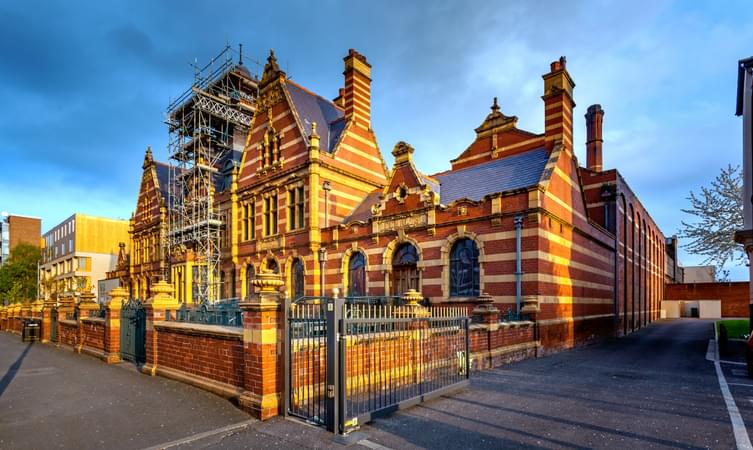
322	267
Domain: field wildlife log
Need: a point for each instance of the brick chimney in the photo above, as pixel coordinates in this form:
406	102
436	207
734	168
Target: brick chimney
558	105
356	97
594	119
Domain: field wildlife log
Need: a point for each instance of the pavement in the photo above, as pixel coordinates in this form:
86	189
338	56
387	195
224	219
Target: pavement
652	389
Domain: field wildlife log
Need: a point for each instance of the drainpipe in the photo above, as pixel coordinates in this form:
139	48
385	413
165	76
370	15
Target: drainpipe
518	263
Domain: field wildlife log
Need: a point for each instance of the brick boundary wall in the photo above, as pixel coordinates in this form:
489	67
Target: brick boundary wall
206	356
224	361
68	333
93	337
733	295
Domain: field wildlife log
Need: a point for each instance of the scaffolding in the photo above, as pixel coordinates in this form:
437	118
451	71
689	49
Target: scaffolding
207	126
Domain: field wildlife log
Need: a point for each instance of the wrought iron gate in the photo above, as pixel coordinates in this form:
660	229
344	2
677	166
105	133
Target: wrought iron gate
54	325
133	331
347	362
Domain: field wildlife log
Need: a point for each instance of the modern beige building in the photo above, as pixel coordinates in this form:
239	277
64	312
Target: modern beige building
78	252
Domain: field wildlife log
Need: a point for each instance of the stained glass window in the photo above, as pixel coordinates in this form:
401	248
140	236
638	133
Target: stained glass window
357	275
464	269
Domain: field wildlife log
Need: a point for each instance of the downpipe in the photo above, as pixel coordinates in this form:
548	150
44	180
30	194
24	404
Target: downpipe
518	263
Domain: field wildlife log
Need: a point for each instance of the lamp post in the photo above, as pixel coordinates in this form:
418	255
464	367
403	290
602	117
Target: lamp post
322	267
326	187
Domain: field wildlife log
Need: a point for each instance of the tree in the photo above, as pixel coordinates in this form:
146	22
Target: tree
718	210
18	277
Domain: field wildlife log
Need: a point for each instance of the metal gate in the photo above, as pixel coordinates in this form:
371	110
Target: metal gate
54	325
347	362
133	331
306	359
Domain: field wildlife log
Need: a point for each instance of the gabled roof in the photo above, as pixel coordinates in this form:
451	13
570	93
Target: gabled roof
329	118
500	175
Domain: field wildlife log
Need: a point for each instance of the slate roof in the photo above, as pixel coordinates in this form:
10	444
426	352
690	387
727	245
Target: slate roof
163	178
500	175
363	211
330	120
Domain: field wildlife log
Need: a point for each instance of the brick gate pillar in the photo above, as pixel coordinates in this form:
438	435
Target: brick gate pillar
3	315
162	300
112	324
262	327
47	319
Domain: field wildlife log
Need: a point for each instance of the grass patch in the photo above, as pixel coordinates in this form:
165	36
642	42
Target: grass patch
735	328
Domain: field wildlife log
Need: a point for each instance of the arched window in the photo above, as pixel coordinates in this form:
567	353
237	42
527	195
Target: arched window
404	269
356	275
298	279
250	274
464	269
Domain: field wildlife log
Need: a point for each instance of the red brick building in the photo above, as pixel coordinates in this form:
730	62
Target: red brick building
148	228
515	216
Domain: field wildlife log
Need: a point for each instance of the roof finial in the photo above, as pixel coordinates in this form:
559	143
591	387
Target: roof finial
495	106
240	51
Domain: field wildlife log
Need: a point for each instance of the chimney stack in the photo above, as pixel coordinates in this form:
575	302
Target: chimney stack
356	97
594	119
558	105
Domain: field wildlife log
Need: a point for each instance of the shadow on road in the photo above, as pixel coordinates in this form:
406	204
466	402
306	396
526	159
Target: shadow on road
13	369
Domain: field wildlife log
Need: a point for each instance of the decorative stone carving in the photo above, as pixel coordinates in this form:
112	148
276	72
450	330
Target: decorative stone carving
267	282
395	223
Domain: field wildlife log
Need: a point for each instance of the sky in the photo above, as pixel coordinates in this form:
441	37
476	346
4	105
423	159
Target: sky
84	85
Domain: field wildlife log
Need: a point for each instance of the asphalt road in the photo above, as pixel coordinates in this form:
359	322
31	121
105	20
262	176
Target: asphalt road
653	389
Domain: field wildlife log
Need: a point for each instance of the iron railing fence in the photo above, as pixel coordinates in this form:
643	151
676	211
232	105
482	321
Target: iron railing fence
226	312
394	300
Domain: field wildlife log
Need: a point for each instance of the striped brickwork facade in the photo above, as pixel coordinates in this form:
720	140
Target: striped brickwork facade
351	166
571	258
147	229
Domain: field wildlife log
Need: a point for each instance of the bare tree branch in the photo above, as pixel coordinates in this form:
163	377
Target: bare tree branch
717	211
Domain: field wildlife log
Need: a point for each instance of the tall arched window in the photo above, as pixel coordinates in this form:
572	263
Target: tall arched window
356	275
404	269
464	269
298	279
250	274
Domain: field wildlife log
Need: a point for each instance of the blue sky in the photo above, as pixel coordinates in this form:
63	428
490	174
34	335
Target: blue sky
84	86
